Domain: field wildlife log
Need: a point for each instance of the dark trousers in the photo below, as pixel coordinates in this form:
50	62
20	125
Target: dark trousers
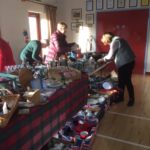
124	79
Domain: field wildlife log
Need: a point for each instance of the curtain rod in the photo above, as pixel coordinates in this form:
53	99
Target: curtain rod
33	1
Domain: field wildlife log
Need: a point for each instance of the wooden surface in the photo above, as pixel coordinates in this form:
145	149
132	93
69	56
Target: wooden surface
127	128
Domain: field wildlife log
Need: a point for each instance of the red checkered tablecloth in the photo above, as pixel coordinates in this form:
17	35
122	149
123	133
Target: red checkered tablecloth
33	131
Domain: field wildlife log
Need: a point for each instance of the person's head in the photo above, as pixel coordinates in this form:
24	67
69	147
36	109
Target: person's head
62	27
107	38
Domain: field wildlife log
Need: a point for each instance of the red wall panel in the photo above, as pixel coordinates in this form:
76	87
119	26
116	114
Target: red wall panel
131	25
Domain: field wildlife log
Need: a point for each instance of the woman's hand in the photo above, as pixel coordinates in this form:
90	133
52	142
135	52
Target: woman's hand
101	60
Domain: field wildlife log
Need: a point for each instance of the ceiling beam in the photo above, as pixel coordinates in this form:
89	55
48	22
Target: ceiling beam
39	2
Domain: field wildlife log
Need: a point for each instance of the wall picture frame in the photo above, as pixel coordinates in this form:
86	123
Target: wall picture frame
120	3
76	14
145	2
109	4
89	19
99	4
76	25
89	5
133	3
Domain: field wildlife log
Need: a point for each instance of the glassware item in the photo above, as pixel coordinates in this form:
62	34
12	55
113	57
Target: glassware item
107	85
81	114
78	141
5	108
17	67
14	67
7	69
26	65
10	69
101	99
89	114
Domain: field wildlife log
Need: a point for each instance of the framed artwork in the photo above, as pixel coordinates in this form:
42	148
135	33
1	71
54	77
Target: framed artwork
144	2
109	4
120	3
99	4
89	19
132	3
76	14
89	5
76	25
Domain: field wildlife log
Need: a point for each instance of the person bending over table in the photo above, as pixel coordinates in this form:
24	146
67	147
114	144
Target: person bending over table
31	53
124	59
58	44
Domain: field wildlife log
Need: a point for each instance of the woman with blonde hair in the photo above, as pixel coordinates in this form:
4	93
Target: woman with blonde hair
124	58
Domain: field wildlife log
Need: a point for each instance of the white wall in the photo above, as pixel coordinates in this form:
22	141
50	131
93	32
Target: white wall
14	19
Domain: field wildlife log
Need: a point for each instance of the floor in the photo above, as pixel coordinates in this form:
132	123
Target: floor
127	128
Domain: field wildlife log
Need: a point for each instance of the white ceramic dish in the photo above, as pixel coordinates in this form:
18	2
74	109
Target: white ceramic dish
107	85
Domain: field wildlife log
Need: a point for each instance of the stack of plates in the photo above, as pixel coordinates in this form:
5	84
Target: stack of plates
54	84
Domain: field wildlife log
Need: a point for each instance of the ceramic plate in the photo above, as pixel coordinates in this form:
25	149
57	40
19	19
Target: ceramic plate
107	85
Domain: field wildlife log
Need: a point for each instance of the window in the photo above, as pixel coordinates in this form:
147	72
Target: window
34	26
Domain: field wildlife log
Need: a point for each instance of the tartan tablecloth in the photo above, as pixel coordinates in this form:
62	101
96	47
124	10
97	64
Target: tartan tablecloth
33	131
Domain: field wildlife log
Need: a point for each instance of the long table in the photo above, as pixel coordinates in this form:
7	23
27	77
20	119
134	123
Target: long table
33	131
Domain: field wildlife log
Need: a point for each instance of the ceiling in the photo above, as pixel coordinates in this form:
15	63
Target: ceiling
47	1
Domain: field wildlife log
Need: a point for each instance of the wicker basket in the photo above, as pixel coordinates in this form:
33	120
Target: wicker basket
60	72
12	101
33	96
25	77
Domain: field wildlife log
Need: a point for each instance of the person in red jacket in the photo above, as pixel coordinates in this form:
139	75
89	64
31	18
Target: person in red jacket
6	55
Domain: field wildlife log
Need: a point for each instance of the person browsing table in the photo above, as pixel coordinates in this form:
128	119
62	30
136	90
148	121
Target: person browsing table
58	44
31	53
124	58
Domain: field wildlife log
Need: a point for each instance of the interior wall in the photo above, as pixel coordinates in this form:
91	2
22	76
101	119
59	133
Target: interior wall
14	20
64	13
65	7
